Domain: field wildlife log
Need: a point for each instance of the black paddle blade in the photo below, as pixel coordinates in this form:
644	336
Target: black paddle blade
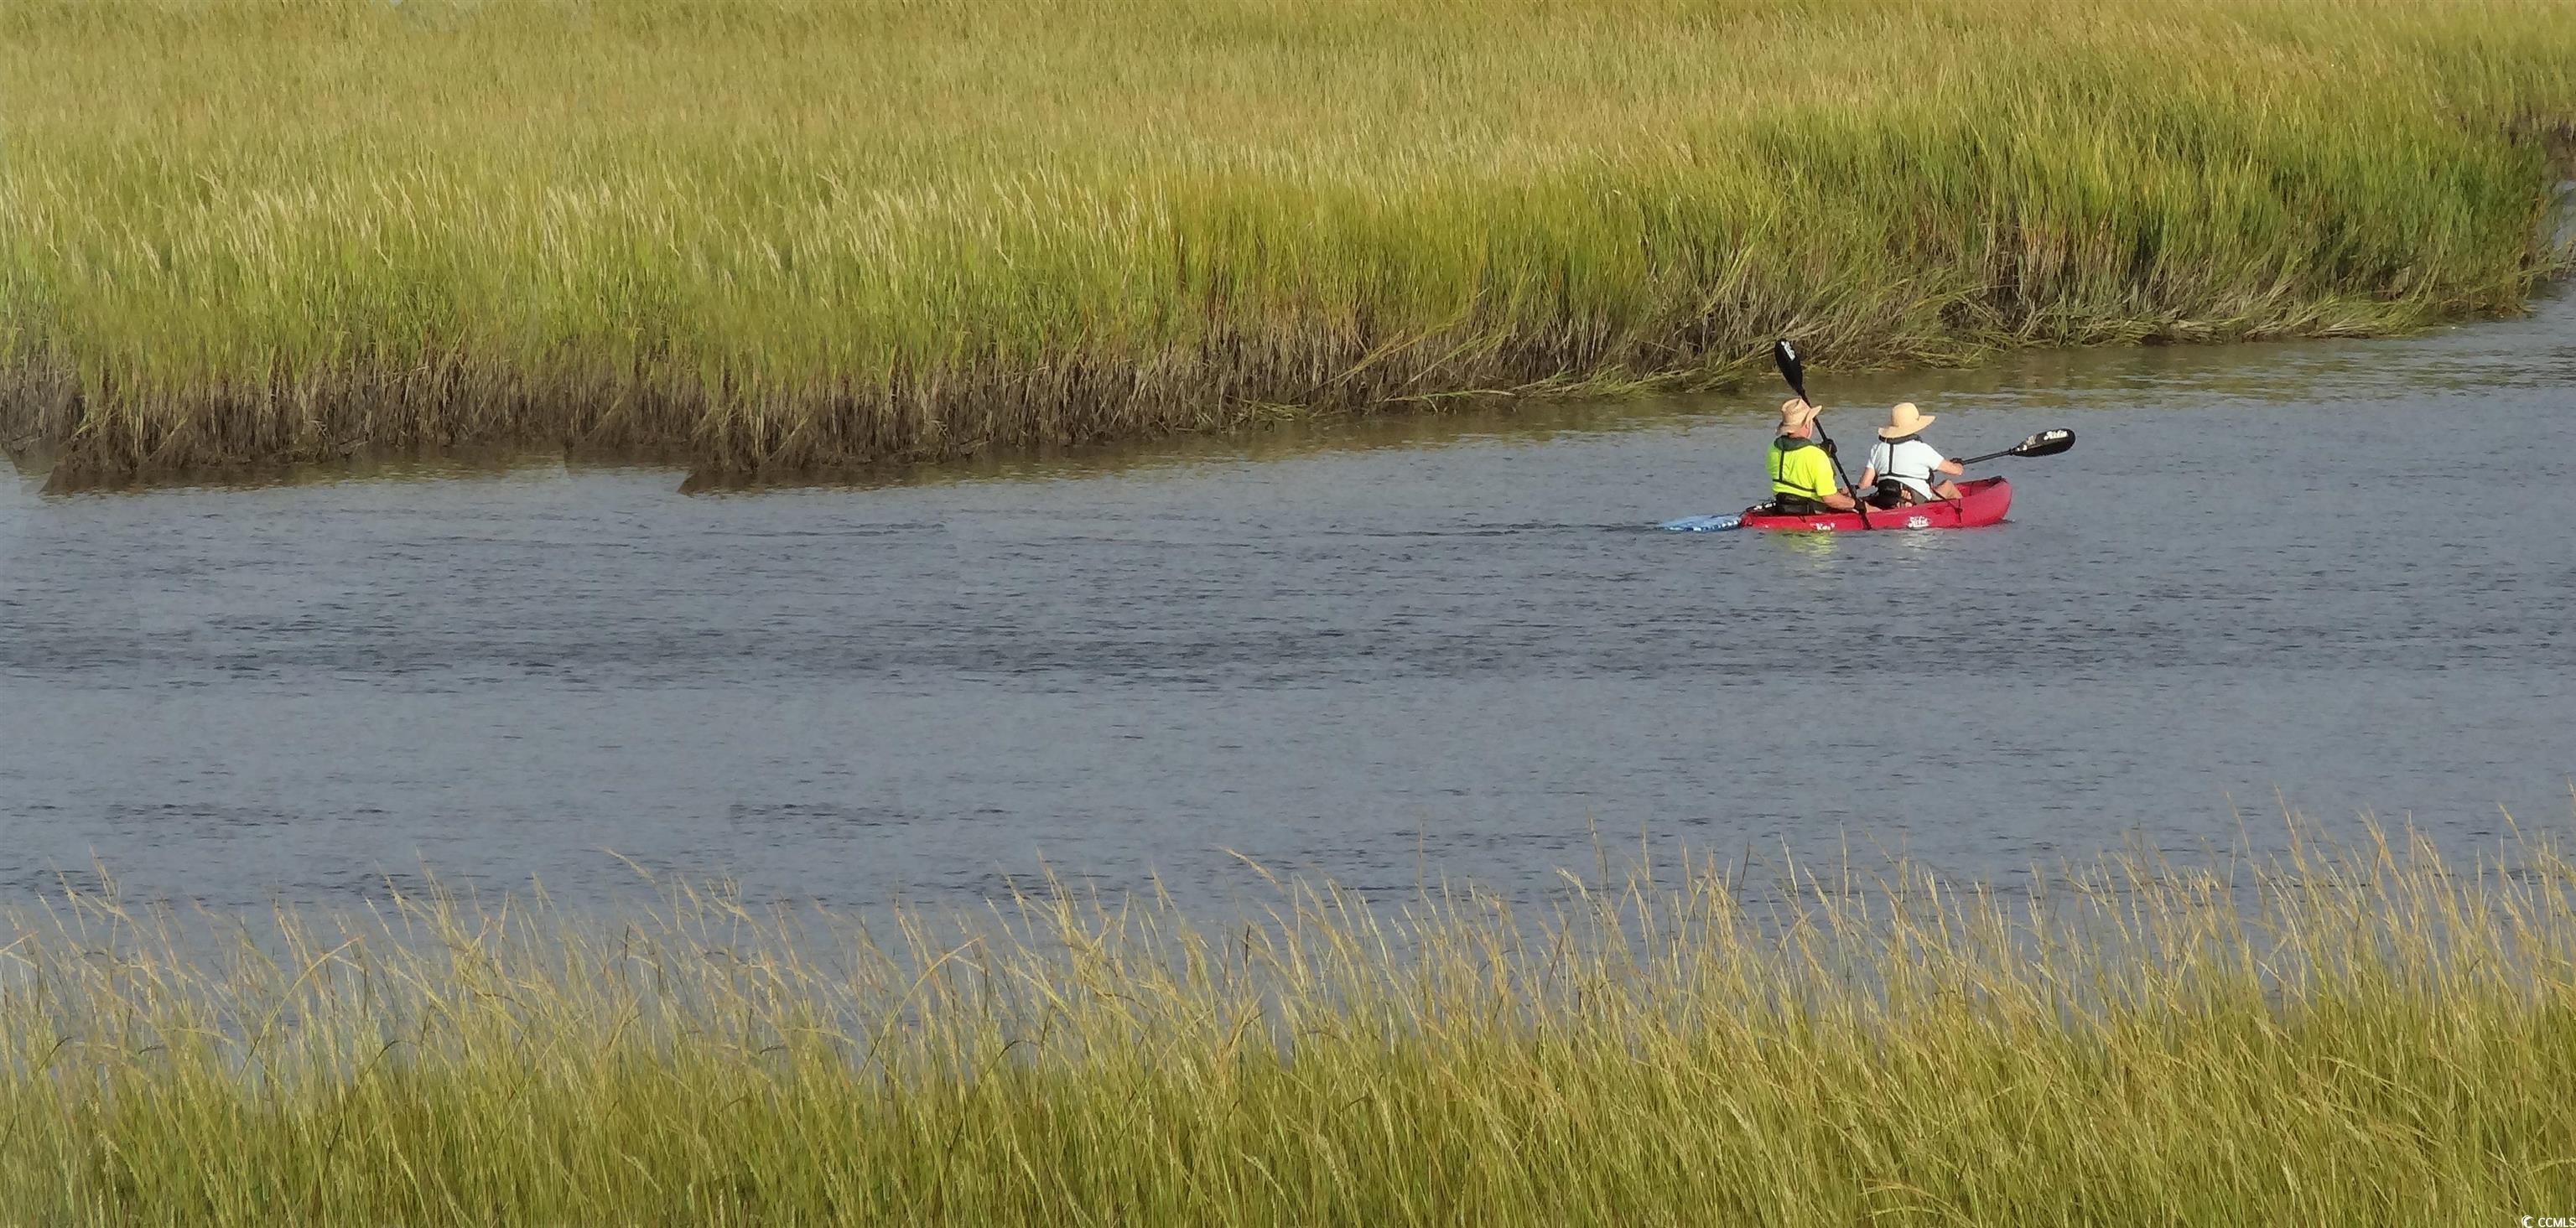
1792	370
2045	443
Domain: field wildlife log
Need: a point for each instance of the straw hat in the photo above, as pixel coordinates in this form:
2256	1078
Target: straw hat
1905	420
1795	412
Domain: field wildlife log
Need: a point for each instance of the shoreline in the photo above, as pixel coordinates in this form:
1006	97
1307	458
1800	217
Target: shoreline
2352	1028
1463	417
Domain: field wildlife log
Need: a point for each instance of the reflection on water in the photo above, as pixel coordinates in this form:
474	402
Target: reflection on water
1372	649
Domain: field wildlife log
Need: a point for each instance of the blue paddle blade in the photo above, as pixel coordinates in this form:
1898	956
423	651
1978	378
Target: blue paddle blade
1702	524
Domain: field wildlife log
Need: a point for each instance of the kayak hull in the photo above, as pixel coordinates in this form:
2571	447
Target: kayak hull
1980	503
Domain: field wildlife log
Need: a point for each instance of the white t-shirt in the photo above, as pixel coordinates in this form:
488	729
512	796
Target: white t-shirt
1910	462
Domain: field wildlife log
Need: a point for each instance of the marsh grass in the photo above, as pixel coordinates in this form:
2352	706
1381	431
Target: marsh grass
2348	1033
776	235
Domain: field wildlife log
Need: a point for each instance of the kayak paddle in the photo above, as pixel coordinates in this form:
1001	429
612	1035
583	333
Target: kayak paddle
2045	443
1785	356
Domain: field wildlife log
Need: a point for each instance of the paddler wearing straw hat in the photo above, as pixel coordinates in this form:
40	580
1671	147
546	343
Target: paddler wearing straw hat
1802	471
1902	466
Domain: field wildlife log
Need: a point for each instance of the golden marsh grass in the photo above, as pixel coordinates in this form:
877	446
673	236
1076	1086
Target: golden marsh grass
774	236
2350	1033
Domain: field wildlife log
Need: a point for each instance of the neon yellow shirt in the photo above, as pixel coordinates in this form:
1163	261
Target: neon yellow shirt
1801	471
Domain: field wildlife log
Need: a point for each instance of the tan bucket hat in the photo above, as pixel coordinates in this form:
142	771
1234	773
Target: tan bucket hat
1795	412
1905	420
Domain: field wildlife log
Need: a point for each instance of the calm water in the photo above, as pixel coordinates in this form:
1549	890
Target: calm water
2335	572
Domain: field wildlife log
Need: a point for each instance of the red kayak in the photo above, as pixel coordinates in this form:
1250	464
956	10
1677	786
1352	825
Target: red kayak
1981	502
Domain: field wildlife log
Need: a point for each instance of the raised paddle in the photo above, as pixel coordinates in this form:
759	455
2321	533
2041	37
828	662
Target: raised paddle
2045	443
1785	356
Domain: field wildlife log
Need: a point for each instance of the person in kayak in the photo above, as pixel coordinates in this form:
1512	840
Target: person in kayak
1802	471
1902	468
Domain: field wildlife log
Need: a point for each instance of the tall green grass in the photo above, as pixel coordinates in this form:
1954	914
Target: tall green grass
775	235
2354	1033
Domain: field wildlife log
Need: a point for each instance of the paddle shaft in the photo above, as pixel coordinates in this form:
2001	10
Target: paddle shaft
1858	504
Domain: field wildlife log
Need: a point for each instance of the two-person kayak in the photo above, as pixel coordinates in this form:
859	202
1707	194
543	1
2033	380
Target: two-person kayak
1980	502
1904	472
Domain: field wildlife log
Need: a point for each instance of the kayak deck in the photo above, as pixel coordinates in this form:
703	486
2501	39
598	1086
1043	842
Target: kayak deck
1981	502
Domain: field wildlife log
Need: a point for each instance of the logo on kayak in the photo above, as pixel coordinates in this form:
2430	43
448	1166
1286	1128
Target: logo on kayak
1918	522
